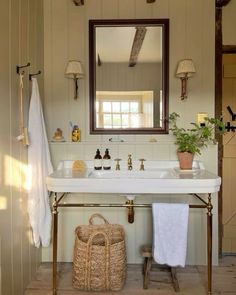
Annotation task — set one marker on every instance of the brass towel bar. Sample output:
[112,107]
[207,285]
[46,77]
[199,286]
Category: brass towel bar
[117,205]
[128,204]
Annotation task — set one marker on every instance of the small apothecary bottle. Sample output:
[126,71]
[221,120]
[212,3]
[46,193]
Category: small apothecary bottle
[98,160]
[75,136]
[106,160]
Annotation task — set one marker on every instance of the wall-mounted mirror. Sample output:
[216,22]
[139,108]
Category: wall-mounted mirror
[128,76]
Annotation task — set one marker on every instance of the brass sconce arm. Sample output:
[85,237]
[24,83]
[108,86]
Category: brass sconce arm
[76,87]
[184,87]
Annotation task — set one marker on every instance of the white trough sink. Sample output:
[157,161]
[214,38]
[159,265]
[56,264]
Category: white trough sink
[158,173]
[158,177]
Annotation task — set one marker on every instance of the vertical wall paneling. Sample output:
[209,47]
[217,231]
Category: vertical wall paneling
[16,221]
[107,12]
[160,9]
[5,216]
[59,54]
[66,37]
[93,11]
[28,251]
[35,50]
[76,50]
[48,65]
[19,35]
[142,10]
[127,9]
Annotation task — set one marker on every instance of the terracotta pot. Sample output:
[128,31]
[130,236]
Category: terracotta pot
[185,160]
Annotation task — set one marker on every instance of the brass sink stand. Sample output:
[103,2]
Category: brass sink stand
[130,206]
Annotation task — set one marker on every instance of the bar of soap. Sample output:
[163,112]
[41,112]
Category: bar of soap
[79,165]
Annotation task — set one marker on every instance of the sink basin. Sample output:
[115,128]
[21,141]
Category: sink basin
[158,177]
[159,173]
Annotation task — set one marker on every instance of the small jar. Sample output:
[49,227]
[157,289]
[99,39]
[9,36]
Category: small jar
[75,136]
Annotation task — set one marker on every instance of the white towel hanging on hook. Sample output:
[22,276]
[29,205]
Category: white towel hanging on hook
[40,165]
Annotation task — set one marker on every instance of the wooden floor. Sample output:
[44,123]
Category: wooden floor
[192,280]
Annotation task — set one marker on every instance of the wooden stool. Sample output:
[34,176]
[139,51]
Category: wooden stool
[146,252]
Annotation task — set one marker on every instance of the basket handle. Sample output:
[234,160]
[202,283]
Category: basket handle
[88,259]
[99,216]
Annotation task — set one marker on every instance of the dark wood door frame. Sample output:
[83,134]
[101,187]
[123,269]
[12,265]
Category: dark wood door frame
[220,49]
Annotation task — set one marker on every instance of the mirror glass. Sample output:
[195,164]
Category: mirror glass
[128,76]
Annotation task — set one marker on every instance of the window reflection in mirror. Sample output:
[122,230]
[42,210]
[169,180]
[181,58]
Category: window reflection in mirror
[128,76]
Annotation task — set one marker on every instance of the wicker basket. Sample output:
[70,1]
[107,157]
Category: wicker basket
[99,256]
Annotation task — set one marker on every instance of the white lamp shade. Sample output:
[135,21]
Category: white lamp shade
[74,69]
[185,68]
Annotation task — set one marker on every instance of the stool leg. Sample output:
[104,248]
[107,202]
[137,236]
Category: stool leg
[146,269]
[144,265]
[174,279]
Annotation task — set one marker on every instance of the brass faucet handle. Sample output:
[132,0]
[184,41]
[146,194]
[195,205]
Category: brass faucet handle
[141,164]
[130,167]
[117,164]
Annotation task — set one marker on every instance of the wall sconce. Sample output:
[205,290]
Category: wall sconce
[74,71]
[185,70]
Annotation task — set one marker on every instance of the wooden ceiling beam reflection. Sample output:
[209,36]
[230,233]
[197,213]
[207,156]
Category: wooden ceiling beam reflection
[137,44]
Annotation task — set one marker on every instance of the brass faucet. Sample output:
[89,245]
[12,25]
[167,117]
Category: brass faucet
[130,167]
[117,164]
[141,164]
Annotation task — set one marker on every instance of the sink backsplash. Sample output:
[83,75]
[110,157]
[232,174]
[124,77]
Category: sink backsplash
[148,151]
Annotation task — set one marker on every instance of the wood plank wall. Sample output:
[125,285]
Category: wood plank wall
[21,41]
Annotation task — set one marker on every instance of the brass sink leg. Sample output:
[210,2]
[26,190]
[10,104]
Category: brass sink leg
[55,231]
[130,208]
[209,244]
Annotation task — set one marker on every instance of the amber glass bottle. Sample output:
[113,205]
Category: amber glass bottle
[106,160]
[98,160]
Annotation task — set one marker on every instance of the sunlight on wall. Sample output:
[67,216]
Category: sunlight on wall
[1,173]
[30,236]
[3,203]
[17,174]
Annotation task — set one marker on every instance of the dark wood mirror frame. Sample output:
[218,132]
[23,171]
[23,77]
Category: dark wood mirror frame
[164,24]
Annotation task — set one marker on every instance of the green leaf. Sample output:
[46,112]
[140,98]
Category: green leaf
[192,140]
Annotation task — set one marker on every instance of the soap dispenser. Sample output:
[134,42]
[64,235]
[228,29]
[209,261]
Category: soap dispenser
[106,160]
[98,160]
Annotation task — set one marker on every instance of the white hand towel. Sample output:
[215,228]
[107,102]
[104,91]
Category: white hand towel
[170,227]
[40,166]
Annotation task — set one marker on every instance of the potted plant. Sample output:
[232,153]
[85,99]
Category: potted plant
[190,141]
